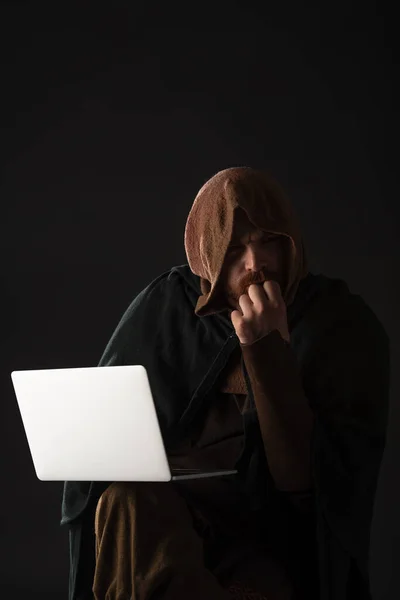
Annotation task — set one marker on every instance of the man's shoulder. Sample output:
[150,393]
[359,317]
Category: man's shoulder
[330,291]
[153,314]
[170,296]
[317,299]
[177,282]
[318,285]
[182,276]
[325,302]
[179,276]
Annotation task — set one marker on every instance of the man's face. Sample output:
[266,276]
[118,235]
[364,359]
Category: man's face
[253,256]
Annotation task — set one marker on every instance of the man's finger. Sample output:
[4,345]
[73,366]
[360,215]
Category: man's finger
[273,290]
[257,295]
[246,305]
[236,318]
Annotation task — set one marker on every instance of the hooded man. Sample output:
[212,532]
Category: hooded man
[255,364]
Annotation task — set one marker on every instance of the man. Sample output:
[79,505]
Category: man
[258,364]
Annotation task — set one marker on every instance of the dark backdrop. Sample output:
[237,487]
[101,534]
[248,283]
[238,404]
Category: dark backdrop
[111,121]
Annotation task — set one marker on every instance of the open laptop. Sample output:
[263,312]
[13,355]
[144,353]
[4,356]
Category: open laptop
[95,424]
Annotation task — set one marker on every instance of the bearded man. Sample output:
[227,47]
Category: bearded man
[259,365]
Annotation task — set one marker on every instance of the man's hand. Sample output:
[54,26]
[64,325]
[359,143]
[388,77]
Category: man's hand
[263,310]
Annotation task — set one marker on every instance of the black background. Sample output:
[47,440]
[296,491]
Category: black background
[111,120]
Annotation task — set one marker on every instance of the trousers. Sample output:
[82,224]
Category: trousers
[151,544]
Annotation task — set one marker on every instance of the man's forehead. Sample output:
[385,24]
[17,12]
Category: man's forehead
[242,224]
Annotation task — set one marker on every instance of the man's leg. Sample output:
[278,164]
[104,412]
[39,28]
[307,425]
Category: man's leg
[147,547]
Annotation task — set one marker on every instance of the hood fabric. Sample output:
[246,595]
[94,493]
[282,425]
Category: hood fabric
[210,223]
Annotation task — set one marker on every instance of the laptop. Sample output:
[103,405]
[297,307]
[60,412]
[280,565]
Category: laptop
[117,436]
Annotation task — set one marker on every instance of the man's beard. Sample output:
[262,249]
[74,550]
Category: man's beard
[241,286]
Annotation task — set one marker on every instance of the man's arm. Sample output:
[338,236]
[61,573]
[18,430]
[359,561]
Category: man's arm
[343,395]
[285,417]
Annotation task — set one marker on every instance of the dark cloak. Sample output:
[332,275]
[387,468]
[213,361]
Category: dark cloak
[343,353]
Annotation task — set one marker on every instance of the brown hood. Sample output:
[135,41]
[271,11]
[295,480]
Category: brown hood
[210,223]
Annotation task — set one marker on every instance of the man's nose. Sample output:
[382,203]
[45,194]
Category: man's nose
[253,261]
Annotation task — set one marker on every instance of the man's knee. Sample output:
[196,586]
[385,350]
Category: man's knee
[123,492]
[150,499]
